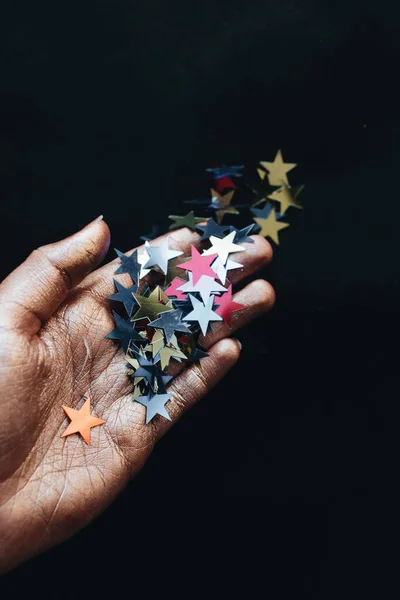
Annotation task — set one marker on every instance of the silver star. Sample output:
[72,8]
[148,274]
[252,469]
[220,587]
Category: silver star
[205,286]
[220,270]
[223,247]
[160,255]
[201,313]
[155,405]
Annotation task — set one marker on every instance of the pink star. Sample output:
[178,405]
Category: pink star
[172,290]
[226,306]
[199,265]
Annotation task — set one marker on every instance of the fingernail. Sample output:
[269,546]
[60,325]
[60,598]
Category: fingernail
[238,343]
[100,218]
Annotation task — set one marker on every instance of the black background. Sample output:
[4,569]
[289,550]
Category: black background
[116,107]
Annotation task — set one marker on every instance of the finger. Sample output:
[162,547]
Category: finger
[253,257]
[193,383]
[258,297]
[31,293]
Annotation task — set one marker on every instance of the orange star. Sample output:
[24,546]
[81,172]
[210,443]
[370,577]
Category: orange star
[81,421]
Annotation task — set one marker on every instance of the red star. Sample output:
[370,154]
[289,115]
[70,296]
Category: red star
[226,306]
[172,290]
[225,183]
[199,265]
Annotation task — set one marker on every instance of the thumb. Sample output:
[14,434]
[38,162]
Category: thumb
[32,293]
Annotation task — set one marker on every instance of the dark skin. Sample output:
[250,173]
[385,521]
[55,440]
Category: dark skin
[53,308]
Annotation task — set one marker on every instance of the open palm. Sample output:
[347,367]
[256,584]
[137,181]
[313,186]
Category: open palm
[54,316]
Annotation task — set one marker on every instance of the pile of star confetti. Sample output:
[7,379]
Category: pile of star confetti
[172,298]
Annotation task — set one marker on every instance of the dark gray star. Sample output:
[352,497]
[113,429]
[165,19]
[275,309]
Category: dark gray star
[129,264]
[263,213]
[211,228]
[149,370]
[124,332]
[156,231]
[225,171]
[155,405]
[242,235]
[124,295]
[170,322]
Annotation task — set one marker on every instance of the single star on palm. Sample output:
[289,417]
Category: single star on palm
[54,319]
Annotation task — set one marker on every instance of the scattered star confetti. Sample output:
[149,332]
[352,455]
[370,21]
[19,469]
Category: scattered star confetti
[149,307]
[170,322]
[129,264]
[188,220]
[277,170]
[223,247]
[160,255]
[202,313]
[226,306]
[125,296]
[81,421]
[155,405]
[175,297]
[199,265]
[269,224]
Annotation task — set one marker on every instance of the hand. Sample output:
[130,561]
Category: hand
[53,319]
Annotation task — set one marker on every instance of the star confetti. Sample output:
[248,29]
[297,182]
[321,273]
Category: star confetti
[188,220]
[129,264]
[155,405]
[81,421]
[205,286]
[175,297]
[125,296]
[160,255]
[226,306]
[199,265]
[202,313]
[269,224]
[170,322]
[277,170]
[223,247]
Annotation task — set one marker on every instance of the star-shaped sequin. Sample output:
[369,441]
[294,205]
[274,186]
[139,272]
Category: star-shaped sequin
[160,255]
[277,170]
[202,313]
[172,290]
[170,322]
[150,307]
[155,405]
[242,235]
[211,228]
[223,247]
[124,295]
[124,332]
[287,197]
[129,264]
[222,205]
[81,421]
[221,270]
[226,171]
[269,224]
[226,306]
[188,220]
[205,287]
[199,265]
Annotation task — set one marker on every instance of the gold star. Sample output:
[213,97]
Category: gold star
[150,307]
[270,226]
[167,353]
[287,197]
[277,170]
[223,205]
